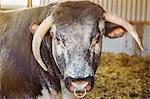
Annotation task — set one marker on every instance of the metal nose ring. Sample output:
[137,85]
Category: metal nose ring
[79,96]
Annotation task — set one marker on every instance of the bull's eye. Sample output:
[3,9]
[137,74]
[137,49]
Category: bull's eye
[60,42]
[58,39]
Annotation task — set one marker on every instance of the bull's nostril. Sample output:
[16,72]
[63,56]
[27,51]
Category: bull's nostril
[80,84]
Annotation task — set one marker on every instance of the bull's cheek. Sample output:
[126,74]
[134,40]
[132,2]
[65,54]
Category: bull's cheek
[59,50]
[61,63]
[96,55]
[57,58]
[61,57]
[96,61]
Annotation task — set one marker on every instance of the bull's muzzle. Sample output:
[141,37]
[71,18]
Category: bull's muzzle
[79,86]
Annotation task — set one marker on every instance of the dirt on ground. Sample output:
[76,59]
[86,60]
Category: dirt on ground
[121,76]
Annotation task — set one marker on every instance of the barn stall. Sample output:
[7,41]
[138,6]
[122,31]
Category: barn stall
[124,71]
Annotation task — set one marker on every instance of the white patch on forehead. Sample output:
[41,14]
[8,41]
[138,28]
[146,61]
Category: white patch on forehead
[77,35]
[84,31]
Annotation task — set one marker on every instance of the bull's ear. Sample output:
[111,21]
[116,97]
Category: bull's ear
[34,26]
[114,30]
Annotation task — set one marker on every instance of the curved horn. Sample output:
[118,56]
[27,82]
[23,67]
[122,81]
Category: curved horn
[37,39]
[118,20]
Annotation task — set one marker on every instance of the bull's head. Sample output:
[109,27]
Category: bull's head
[77,29]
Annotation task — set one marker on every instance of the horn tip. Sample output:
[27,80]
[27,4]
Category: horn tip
[43,66]
[142,49]
[45,69]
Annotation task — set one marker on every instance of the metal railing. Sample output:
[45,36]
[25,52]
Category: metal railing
[135,11]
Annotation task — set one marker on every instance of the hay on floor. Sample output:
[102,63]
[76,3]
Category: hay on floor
[121,76]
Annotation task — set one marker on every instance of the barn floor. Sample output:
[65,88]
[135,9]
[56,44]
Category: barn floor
[121,76]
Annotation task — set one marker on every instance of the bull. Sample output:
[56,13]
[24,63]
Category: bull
[53,52]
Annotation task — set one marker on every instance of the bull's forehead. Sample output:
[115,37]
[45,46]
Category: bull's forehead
[76,22]
[71,12]
[77,35]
